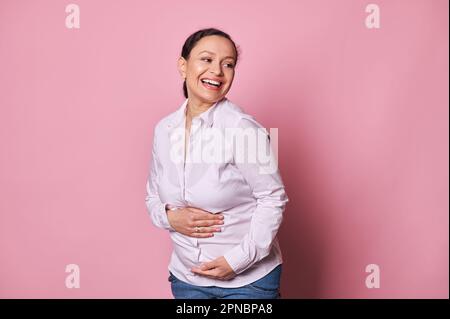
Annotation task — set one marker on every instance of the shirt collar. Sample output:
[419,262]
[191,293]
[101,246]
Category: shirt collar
[207,117]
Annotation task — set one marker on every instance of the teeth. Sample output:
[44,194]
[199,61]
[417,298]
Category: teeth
[211,82]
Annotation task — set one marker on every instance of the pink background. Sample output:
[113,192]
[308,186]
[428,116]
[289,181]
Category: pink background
[363,131]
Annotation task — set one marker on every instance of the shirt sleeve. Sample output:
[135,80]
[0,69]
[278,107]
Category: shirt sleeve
[155,208]
[268,189]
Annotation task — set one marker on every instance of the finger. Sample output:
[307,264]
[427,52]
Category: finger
[203,214]
[207,223]
[198,210]
[209,273]
[206,230]
[208,216]
[208,265]
[227,277]
[202,229]
[201,273]
[201,235]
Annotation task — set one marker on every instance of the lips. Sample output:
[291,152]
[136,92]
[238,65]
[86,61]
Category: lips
[211,84]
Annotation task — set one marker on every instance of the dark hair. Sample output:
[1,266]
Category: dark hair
[192,40]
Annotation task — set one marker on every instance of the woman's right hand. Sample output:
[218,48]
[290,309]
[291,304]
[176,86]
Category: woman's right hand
[195,222]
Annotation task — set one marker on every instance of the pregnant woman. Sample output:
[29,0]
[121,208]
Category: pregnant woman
[223,210]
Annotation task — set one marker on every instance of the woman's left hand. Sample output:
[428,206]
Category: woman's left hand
[215,269]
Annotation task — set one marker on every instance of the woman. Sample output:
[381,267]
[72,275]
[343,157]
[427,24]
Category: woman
[222,215]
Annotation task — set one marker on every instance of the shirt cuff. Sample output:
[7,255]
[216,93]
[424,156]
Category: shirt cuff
[164,219]
[237,259]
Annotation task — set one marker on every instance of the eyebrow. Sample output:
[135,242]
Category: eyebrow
[230,57]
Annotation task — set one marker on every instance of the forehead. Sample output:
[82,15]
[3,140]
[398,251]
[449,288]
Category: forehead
[217,45]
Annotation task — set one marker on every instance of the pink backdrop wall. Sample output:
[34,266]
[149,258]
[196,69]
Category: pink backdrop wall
[363,130]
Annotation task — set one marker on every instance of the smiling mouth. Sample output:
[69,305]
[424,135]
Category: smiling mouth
[211,84]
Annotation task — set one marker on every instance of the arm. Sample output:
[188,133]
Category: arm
[156,209]
[269,192]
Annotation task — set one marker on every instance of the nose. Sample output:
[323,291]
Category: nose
[216,69]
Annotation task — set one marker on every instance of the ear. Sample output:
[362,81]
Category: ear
[182,67]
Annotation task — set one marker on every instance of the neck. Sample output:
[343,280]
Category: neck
[195,108]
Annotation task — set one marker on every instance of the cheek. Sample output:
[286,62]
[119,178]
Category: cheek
[230,77]
[230,73]
[196,70]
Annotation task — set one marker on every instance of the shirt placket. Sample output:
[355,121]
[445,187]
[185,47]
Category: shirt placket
[192,140]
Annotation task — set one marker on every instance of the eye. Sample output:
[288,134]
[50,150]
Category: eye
[230,65]
[206,59]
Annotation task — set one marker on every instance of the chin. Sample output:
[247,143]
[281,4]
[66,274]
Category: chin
[211,99]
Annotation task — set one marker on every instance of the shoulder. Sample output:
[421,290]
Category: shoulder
[166,122]
[232,115]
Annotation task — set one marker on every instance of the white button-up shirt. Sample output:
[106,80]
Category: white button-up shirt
[250,196]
